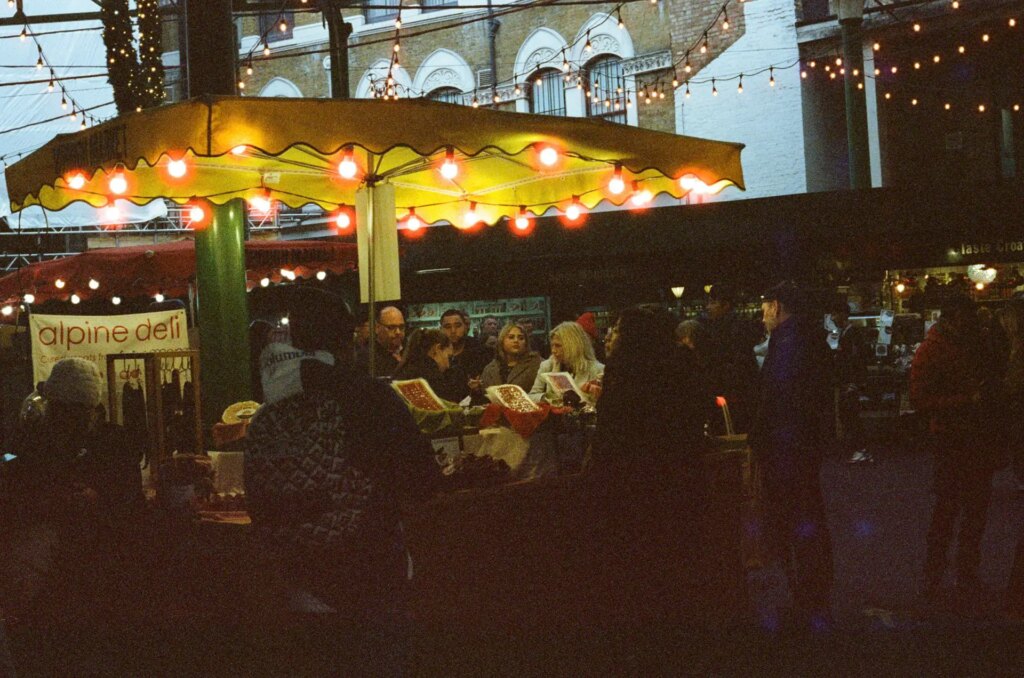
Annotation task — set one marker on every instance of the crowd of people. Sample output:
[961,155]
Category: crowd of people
[329,462]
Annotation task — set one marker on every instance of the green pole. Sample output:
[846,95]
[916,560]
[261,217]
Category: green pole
[856,103]
[223,310]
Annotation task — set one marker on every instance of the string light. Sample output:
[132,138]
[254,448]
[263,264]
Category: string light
[704,45]
[321,275]
[412,222]
[739,87]
[343,220]
[725,19]
[75,299]
[548,156]
[522,221]
[347,168]
[588,47]
[640,196]
[449,168]
[575,209]
[115,300]
[622,24]
[616,185]
[159,297]
[771,76]
[118,184]
[470,217]
[59,284]
[94,284]
[714,89]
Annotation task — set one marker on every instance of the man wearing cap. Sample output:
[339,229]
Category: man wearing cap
[730,355]
[788,438]
[328,458]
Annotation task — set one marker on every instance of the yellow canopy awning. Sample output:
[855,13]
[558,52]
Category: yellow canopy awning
[290,150]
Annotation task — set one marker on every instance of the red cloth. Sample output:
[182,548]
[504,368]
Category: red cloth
[588,321]
[523,423]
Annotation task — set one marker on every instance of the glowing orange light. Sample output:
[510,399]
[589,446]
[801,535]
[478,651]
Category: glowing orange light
[76,181]
[118,185]
[522,221]
[177,168]
[720,401]
[412,222]
[548,156]
[449,168]
[238,150]
[343,220]
[347,168]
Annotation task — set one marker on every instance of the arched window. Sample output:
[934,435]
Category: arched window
[449,95]
[547,92]
[607,89]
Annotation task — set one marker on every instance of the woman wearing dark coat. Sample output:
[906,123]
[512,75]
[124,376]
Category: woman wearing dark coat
[646,471]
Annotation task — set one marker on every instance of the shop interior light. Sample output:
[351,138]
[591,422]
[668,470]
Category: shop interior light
[116,301]
[77,181]
[264,282]
[677,292]
[901,288]
[616,185]
[118,184]
[59,284]
[979,286]
[29,298]
[287,274]
[94,284]
[449,168]
[321,275]
[177,168]
[347,168]
[75,299]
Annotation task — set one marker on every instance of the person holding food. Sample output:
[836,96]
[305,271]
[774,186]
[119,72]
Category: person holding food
[572,353]
[428,356]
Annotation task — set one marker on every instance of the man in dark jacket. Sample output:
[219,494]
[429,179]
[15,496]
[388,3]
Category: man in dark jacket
[730,356]
[789,434]
[328,459]
[946,386]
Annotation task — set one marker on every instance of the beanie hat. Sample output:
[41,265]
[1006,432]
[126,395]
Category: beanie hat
[589,324]
[74,380]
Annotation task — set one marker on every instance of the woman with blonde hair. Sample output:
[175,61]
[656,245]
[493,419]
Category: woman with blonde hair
[572,352]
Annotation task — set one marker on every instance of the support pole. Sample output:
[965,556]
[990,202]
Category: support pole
[338,32]
[223,310]
[851,22]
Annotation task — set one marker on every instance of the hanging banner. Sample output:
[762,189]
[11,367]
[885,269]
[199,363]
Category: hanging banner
[94,337]
[376,231]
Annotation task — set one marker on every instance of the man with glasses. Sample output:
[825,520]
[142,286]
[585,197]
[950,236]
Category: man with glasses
[390,340]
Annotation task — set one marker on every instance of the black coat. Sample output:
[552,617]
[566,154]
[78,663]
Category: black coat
[452,384]
[795,405]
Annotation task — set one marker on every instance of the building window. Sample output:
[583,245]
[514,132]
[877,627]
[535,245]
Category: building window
[547,92]
[607,89]
[381,10]
[449,95]
[270,25]
[428,5]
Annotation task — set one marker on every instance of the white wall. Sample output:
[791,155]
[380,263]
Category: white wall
[768,120]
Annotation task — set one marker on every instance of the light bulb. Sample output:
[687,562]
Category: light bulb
[118,185]
[347,168]
[94,284]
[261,204]
[177,168]
[59,283]
[548,156]
[412,222]
[575,210]
[979,286]
[76,181]
[449,168]
[7,310]
[287,274]
[196,214]
[616,185]
[75,299]
[116,301]
[470,218]
[158,297]
[343,221]
[522,221]
[901,288]
[238,150]
[29,298]
[264,282]
[321,275]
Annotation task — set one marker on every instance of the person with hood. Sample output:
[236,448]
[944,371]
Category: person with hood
[329,458]
[788,439]
[946,386]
